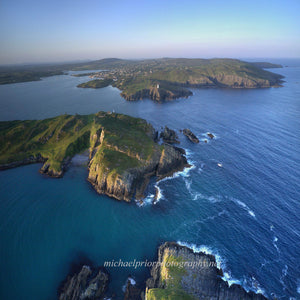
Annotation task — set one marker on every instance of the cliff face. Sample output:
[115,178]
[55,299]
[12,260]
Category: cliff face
[184,274]
[157,94]
[127,176]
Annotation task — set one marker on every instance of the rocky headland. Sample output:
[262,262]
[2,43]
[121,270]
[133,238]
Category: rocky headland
[183,274]
[123,151]
[179,273]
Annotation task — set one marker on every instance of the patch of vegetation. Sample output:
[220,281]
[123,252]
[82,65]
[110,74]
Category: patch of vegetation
[127,142]
[83,74]
[96,84]
[171,274]
[168,294]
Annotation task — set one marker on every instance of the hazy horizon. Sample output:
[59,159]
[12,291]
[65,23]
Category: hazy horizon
[58,32]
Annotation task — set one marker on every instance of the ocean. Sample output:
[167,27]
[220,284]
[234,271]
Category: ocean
[240,200]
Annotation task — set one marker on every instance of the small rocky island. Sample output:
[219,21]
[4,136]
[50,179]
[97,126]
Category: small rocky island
[123,151]
[179,273]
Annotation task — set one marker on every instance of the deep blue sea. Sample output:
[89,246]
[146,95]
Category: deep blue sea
[239,201]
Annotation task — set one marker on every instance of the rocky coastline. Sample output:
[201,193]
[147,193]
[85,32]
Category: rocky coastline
[157,94]
[179,273]
[183,273]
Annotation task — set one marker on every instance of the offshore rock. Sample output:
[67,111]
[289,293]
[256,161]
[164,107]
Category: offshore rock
[210,135]
[192,276]
[190,136]
[169,136]
[132,291]
[89,283]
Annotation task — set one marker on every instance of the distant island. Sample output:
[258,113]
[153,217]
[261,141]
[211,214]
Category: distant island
[123,151]
[157,79]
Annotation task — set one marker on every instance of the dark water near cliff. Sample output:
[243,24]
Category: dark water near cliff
[246,211]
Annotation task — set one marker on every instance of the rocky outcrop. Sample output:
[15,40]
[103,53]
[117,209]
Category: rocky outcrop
[184,274]
[88,283]
[48,170]
[190,136]
[169,136]
[210,135]
[132,291]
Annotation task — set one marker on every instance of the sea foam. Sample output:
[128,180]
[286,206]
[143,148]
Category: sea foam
[221,264]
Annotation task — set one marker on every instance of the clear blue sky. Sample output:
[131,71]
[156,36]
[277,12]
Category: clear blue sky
[65,30]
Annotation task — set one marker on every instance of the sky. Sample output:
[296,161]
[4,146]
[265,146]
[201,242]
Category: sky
[34,31]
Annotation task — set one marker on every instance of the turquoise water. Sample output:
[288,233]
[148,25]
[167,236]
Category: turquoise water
[246,211]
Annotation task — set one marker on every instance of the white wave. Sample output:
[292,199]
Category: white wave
[132,281]
[251,213]
[150,199]
[254,285]
[203,249]
[284,272]
[159,194]
[214,216]
[183,173]
[198,196]
[146,201]
[275,239]
[244,206]
[188,184]
[215,199]
[205,135]
[221,264]
[227,277]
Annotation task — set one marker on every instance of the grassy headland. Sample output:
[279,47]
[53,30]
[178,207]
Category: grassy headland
[166,79]
[123,150]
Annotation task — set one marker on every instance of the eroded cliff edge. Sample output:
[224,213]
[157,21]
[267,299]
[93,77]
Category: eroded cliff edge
[125,155]
[124,152]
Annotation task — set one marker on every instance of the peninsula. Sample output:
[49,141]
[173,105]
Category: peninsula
[168,78]
[123,151]
[157,79]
